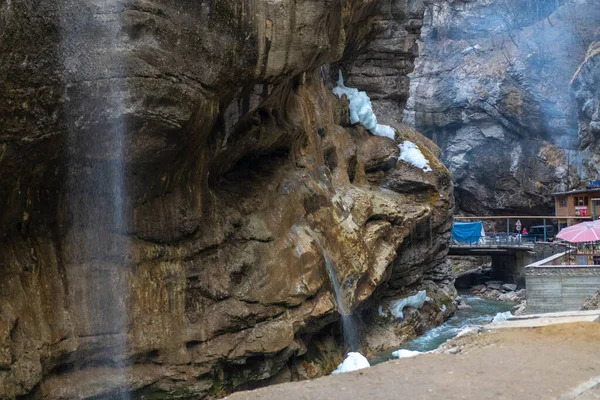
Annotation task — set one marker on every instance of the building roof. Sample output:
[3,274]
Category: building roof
[577,192]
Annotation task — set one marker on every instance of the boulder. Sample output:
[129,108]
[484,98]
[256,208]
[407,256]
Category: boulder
[494,285]
[509,287]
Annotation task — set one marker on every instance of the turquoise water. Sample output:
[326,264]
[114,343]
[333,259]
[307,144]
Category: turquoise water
[481,312]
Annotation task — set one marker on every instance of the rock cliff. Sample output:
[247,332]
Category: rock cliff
[491,88]
[169,172]
[585,89]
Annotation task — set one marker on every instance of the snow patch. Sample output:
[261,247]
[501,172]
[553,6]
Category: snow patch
[353,362]
[411,153]
[361,110]
[415,301]
[502,316]
[385,130]
[403,353]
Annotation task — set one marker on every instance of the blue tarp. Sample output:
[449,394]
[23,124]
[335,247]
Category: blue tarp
[467,232]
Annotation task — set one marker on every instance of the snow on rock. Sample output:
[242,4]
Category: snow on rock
[403,353]
[361,110]
[387,131]
[502,316]
[410,153]
[415,301]
[353,362]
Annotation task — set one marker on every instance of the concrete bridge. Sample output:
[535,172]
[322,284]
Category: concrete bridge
[508,261]
[510,254]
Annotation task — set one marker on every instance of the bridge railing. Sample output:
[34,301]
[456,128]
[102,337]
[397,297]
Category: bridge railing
[499,239]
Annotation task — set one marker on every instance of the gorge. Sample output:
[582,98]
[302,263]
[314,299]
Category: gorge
[181,190]
[492,87]
[164,171]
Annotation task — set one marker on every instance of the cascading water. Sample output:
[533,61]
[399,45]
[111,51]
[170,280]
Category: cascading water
[349,330]
[348,326]
[95,253]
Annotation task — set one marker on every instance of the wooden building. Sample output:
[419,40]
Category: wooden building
[576,206]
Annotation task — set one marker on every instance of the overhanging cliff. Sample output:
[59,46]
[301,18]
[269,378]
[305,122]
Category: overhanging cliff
[213,127]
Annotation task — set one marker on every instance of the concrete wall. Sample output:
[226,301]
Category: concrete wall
[560,288]
[511,269]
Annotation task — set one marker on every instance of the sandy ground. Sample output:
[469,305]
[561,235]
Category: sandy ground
[540,363]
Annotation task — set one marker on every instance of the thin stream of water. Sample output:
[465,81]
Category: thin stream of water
[349,330]
[96,189]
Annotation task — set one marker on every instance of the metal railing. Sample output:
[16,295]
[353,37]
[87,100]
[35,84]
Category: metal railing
[498,240]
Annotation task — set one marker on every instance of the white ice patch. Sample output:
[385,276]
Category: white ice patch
[443,308]
[410,153]
[415,301]
[384,130]
[403,353]
[361,110]
[502,316]
[353,362]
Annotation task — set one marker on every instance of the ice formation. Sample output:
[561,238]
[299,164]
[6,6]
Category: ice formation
[385,130]
[403,353]
[353,362]
[410,153]
[415,301]
[502,316]
[361,110]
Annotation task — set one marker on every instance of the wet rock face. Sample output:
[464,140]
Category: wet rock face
[233,161]
[491,88]
[585,90]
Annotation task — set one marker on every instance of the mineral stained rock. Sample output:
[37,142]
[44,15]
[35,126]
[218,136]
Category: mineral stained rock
[491,88]
[233,156]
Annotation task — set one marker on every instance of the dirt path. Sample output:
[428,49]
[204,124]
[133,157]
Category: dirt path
[542,363]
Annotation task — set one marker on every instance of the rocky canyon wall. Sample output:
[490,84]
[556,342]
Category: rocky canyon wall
[586,90]
[491,88]
[236,161]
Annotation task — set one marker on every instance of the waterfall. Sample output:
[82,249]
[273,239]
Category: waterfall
[95,250]
[349,330]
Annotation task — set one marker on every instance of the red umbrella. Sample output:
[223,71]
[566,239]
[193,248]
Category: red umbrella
[588,231]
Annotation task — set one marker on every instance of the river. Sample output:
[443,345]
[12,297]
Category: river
[481,312]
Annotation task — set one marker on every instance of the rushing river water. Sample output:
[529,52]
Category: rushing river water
[481,312]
